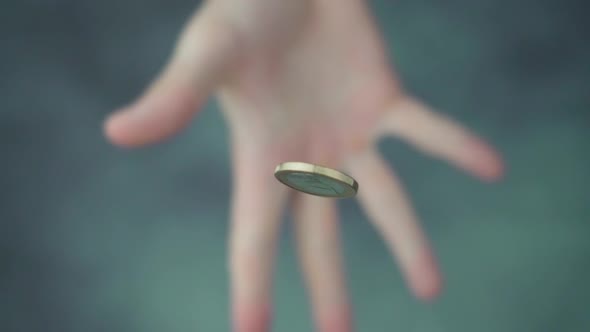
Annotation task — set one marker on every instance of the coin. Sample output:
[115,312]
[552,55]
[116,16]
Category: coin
[316,180]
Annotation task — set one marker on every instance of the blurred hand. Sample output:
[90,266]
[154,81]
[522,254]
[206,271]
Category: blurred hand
[302,81]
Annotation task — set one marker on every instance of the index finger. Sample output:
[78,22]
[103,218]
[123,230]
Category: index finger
[256,210]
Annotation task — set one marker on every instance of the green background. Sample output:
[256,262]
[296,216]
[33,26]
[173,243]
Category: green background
[94,238]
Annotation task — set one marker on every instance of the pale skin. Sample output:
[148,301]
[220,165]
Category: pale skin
[305,80]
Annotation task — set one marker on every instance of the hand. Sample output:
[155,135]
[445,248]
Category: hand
[302,81]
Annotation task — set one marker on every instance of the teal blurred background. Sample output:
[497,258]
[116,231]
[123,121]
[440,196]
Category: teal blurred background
[93,238]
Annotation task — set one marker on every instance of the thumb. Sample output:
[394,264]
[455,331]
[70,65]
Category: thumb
[205,51]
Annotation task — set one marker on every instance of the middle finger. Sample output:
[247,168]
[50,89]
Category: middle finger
[318,244]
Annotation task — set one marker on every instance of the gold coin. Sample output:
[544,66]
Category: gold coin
[316,180]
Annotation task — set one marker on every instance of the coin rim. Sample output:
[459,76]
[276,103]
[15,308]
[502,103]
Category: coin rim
[283,169]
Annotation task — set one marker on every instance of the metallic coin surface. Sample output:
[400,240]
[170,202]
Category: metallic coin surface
[316,180]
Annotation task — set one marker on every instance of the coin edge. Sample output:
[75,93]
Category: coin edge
[298,166]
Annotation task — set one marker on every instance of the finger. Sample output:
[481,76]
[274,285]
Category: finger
[204,52]
[439,136]
[386,204]
[318,244]
[256,210]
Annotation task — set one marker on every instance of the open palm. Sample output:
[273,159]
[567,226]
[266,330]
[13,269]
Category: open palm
[301,81]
